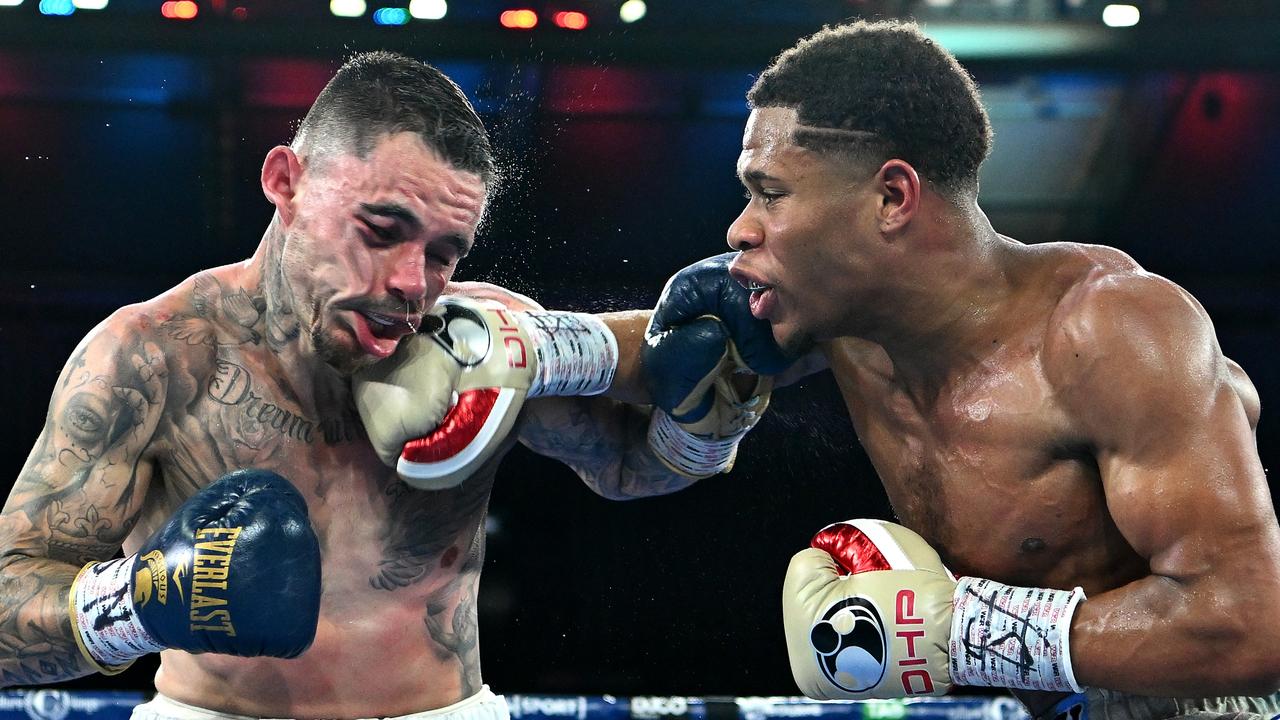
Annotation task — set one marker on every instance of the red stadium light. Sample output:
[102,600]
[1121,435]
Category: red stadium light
[179,9]
[570,20]
[523,19]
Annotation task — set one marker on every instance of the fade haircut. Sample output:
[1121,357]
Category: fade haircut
[381,93]
[872,91]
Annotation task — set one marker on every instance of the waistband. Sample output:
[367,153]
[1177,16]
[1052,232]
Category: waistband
[484,705]
[1099,704]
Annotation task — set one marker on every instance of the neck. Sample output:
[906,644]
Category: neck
[951,310]
[284,336]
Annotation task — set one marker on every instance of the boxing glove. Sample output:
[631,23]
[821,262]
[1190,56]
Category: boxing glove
[443,403]
[870,611]
[701,334]
[236,570]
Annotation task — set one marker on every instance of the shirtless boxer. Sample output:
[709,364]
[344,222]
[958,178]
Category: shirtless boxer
[1046,416]
[249,366]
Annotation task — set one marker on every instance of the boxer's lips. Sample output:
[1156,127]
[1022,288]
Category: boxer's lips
[762,298]
[391,327]
[748,281]
[762,302]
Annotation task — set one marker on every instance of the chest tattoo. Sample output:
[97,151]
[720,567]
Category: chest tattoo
[234,386]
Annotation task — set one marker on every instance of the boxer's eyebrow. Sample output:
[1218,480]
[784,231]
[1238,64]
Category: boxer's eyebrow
[758,176]
[395,211]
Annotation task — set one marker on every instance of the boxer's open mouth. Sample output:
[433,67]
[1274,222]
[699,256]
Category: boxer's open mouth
[754,286]
[388,326]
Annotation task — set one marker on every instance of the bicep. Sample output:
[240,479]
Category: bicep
[1187,489]
[1175,449]
[82,487]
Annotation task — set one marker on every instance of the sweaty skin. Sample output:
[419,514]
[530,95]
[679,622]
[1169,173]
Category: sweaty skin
[1046,416]
[225,371]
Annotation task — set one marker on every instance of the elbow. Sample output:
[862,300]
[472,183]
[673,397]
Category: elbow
[612,493]
[1248,662]
[608,485]
[1263,645]
[1259,658]
[636,488]
[1255,674]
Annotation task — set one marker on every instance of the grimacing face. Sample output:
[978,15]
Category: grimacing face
[805,235]
[372,245]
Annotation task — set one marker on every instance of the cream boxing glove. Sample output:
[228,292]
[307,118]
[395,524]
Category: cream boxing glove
[871,612]
[441,406]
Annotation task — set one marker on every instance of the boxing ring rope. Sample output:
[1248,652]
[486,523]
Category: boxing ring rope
[46,704]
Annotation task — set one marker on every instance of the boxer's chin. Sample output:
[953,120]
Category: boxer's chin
[798,346]
[793,340]
[342,354]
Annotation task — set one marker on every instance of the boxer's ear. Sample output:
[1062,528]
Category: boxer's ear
[899,187]
[281,173]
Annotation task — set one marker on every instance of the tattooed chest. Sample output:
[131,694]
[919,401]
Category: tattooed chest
[391,535]
[240,417]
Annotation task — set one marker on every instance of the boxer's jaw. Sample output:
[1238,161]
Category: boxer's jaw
[373,244]
[807,233]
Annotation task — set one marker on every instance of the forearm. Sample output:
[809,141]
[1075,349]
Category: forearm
[640,473]
[629,381]
[37,640]
[605,443]
[1161,636]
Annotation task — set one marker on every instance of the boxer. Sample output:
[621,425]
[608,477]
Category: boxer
[251,365]
[1074,461]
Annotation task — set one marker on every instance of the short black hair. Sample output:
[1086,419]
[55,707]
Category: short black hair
[896,92]
[382,93]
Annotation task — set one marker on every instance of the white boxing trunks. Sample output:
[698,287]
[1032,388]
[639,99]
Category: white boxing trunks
[484,705]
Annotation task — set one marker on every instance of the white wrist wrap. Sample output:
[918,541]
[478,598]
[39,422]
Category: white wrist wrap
[1012,637]
[692,455]
[577,353]
[107,626]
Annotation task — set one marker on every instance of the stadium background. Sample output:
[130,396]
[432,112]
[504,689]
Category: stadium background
[130,145]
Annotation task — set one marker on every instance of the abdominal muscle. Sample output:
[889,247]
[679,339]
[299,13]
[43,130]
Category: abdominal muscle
[373,658]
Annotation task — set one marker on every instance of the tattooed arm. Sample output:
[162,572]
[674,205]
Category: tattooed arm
[79,494]
[604,441]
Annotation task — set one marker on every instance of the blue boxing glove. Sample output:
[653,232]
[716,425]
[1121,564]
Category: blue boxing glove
[236,570]
[701,334]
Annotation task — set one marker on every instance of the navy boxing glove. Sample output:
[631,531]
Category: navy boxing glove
[236,570]
[701,333]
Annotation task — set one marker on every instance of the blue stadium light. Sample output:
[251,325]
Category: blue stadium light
[56,7]
[390,16]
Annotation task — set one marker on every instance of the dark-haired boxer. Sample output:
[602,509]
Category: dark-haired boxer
[1059,425]
[250,366]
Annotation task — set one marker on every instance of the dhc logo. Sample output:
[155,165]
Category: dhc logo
[463,333]
[850,644]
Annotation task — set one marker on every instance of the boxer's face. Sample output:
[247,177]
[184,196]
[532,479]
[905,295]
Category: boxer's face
[804,233]
[373,243]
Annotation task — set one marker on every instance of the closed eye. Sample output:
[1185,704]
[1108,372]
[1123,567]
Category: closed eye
[439,258]
[385,235]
